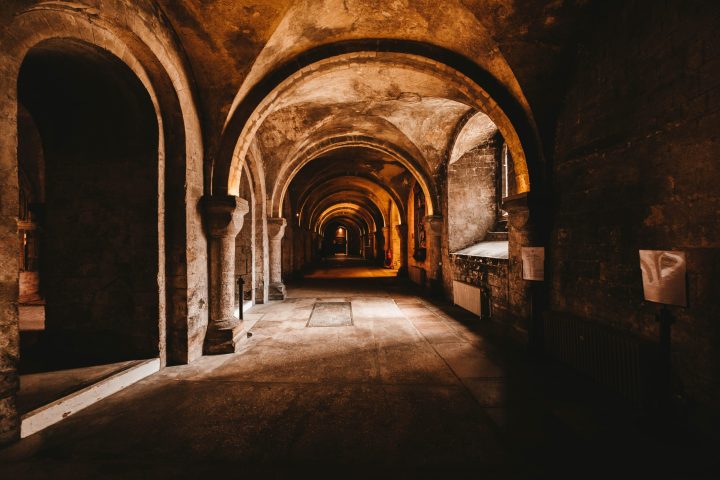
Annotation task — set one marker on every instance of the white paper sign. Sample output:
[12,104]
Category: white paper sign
[663,275]
[533,259]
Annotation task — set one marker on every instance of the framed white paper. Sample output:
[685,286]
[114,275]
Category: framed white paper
[533,259]
[663,275]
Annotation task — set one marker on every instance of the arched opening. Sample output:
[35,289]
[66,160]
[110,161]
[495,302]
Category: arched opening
[334,100]
[477,269]
[339,239]
[352,187]
[472,183]
[89,147]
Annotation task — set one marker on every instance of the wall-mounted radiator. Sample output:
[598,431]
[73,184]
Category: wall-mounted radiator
[619,360]
[467,297]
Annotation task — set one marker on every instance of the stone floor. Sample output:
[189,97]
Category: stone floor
[347,266]
[413,388]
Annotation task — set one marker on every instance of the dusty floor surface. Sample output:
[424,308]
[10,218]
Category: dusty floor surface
[411,389]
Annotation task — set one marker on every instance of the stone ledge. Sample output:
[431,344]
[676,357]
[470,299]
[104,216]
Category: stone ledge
[491,249]
[48,415]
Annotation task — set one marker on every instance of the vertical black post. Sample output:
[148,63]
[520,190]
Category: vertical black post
[485,296]
[537,327]
[241,296]
[665,319]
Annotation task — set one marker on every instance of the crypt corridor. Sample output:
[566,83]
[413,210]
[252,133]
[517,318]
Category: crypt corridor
[276,237]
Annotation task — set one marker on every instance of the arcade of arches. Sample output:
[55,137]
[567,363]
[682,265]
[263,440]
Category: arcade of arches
[196,183]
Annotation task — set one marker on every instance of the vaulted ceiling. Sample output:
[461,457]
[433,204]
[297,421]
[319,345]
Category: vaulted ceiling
[233,44]
[402,119]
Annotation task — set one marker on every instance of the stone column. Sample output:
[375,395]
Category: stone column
[379,247]
[223,220]
[276,230]
[387,235]
[433,259]
[402,232]
[525,297]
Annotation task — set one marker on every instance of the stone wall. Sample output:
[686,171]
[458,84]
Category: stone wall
[490,275]
[472,199]
[636,167]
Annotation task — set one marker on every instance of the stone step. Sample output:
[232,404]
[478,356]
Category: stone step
[47,415]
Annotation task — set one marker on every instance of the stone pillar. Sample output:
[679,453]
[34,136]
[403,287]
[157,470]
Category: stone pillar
[433,239]
[276,230]
[524,298]
[387,235]
[223,219]
[379,247]
[402,232]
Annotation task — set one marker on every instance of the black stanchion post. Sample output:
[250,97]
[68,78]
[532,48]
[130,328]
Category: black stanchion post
[537,327]
[241,296]
[665,319]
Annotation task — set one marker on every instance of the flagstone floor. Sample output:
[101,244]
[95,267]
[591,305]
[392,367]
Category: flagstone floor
[413,388]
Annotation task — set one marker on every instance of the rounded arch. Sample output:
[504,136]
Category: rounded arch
[345,216]
[354,231]
[483,91]
[366,209]
[348,216]
[253,168]
[473,129]
[160,72]
[291,168]
[351,184]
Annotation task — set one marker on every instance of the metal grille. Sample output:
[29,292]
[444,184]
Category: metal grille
[619,360]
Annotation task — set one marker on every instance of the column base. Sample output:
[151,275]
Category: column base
[402,272]
[225,336]
[277,291]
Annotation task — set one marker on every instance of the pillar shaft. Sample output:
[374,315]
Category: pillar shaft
[276,230]
[433,231]
[224,219]
[402,232]
[526,298]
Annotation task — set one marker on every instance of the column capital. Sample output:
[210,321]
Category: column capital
[402,228]
[276,227]
[434,223]
[224,214]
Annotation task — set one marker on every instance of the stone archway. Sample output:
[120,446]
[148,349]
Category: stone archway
[479,89]
[147,56]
